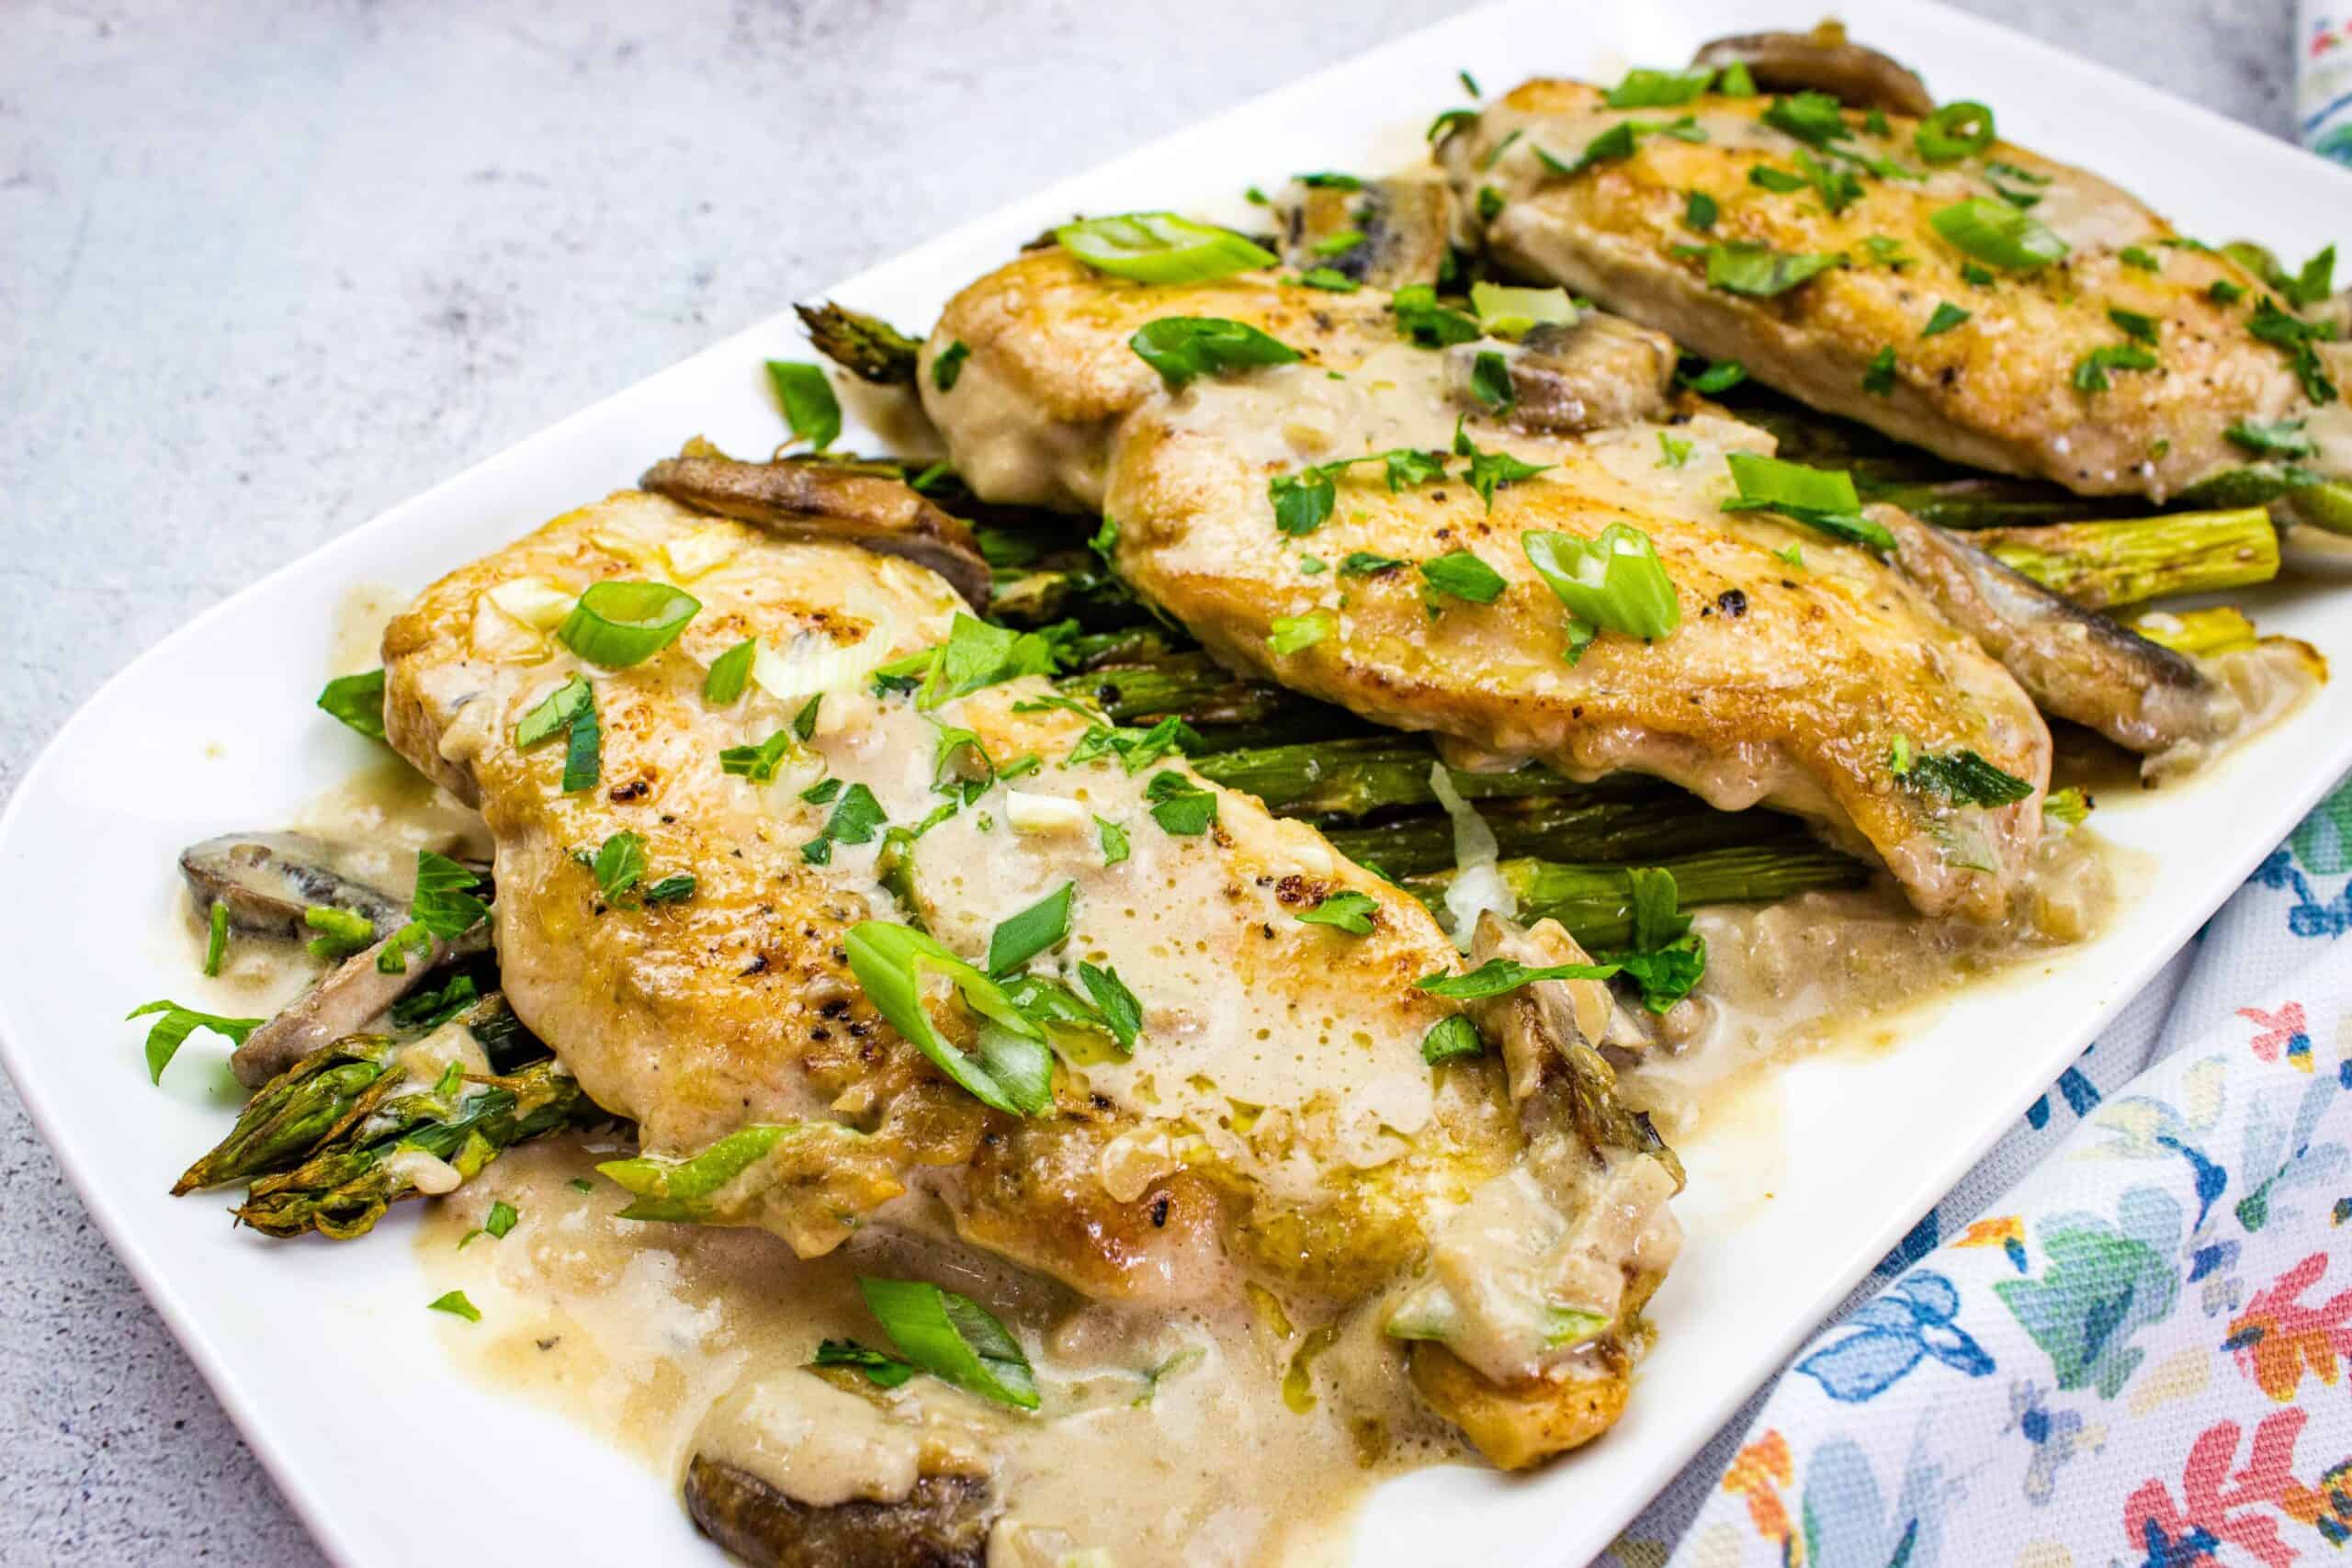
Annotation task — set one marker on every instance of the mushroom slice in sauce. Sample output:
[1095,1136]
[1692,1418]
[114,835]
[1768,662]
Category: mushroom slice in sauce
[270,880]
[941,1523]
[1593,373]
[1386,233]
[803,499]
[1825,62]
[346,1000]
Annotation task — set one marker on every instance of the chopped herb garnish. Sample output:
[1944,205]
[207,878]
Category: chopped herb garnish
[1947,316]
[1114,841]
[1490,383]
[1613,145]
[1736,82]
[1647,89]
[1338,243]
[1183,347]
[949,364]
[1772,179]
[1742,267]
[1329,278]
[501,1219]
[1425,323]
[1291,634]
[1814,119]
[2296,336]
[456,1304]
[1999,235]
[1962,777]
[1365,563]
[2223,292]
[1469,82]
[1878,377]
[1674,451]
[1348,910]
[821,793]
[758,763]
[445,904]
[1497,976]
[1954,131]
[1494,154]
[2281,438]
[1178,805]
[1612,581]
[728,675]
[1452,1039]
[1699,211]
[1116,1005]
[1887,252]
[670,889]
[1719,376]
[171,1031]
[2090,371]
[1490,204]
[2137,327]
[357,701]
[883,1371]
[1970,272]
[1491,470]
[856,816]
[341,932]
[557,711]
[2135,256]
[807,398]
[1448,121]
[1302,501]
[1460,574]
[618,623]
[1159,247]
[890,961]
[620,865]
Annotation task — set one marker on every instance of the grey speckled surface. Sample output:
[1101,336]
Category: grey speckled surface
[267,269]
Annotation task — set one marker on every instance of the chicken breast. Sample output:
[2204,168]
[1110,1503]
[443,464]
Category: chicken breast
[1698,219]
[1803,669]
[1264,1116]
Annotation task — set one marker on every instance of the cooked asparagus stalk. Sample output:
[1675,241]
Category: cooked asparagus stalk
[1351,778]
[866,347]
[1596,902]
[1625,830]
[2100,565]
[2201,632]
[1230,711]
[295,1113]
[392,1145]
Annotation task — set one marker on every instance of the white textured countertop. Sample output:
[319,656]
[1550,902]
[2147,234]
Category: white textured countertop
[265,271]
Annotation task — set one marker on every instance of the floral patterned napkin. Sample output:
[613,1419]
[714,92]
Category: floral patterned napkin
[2120,1342]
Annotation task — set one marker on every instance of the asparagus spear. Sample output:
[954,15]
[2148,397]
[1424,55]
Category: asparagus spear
[1353,777]
[1596,902]
[295,1113]
[1627,830]
[1229,711]
[2098,565]
[358,1171]
[868,346]
[2201,632]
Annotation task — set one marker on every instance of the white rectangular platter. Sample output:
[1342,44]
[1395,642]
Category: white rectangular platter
[323,1353]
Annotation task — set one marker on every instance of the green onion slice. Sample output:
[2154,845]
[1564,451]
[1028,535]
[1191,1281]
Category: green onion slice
[1614,579]
[890,962]
[620,624]
[1955,131]
[1031,932]
[953,1338]
[1514,312]
[1159,247]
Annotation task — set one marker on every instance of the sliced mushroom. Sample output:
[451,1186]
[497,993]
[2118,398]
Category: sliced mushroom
[1385,234]
[941,1523]
[345,1001]
[269,880]
[1595,372]
[1825,62]
[820,499]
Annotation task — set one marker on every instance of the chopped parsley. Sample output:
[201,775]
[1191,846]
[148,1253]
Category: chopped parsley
[1349,911]
[1460,574]
[1178,805]
[949,364]
[1947,316]
[1878,377]
[856,817]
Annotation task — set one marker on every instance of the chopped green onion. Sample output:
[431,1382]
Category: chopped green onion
[1490,204]
[889,961]
[357,701]
[619,624]
[1292,634]
[1348,910]
[1183,347]
[1736,82]
[1514,312]
[2137,327]
[1816,119]
[1699,211]
[1675,451]
[2281,330]
[1448,121]
[1331,279]
[728,673]
[1878,377]
[1956,130]
[216,944]
[584,757]
[1999,235]
[1452,1039]
[1613,580]
[1339,243]
[809,406]
[953,1338]
[1497,976]
[1719,376]
[804,723]
[1121,1013]
[1947,316]
[341,932]
[171,1031]
[1159,247]
[1823,499]
[1765,177]
[1178,805]
[949,364]
[2140,258]
[501,1219]
[1460,574]
[1469,82]
[1742,267]
[1033,931]
[455,1303]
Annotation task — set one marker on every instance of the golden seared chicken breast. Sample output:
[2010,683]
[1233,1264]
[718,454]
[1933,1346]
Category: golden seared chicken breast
[1903,267]
[1423,531]
[811,875]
